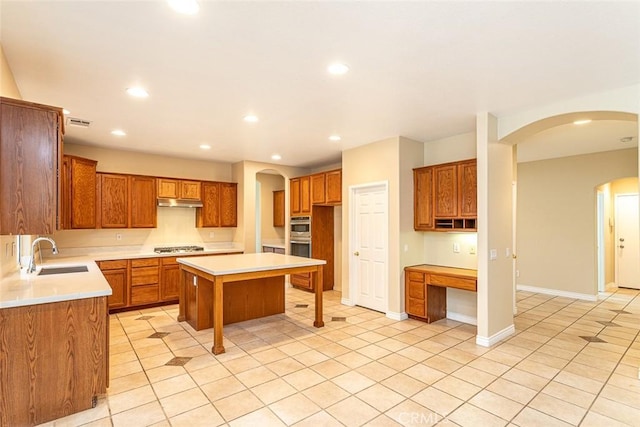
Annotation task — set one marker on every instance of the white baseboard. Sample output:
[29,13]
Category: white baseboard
[495,338]
[397,316]
[557,293]
[464,318]
[347,301]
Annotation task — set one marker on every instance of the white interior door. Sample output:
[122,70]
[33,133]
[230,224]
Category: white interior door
[627,237]
[369,270]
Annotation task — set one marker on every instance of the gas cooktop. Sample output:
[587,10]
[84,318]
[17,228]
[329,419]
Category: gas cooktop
[177,249]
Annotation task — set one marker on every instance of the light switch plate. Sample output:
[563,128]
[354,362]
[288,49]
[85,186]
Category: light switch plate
[493,254]
[456,248]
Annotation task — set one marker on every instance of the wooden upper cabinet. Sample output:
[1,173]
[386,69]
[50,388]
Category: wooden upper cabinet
[423,199]
[142,197]
[300,196]
[468,189]
[318,189]
[79,202]
[219,205]
[30,158]
[178,189]
[334,187]
[445,185]
[278,208]
[113,200]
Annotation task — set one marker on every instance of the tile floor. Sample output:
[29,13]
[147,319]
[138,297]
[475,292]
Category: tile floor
[570,362]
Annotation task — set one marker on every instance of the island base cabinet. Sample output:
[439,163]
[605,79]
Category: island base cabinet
[53,359]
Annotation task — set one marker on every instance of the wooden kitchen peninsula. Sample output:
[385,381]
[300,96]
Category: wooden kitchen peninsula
[425,289]
[252,283]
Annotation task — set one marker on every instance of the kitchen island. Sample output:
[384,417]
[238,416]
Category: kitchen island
[244,273]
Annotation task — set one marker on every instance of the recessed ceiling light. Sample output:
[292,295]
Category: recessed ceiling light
[582,122]
[205,146]
[335,138]
[338,69]
[250,118]
[276,157]
[187,7]
[65,111]
[137,92]
[118,132]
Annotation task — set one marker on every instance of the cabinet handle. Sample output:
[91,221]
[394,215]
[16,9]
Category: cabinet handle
[356,253]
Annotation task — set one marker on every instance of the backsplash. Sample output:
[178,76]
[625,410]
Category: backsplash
[176,226]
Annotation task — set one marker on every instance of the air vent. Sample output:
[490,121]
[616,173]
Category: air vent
[73,121]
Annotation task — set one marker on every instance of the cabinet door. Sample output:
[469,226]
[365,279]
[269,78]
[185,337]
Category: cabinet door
[415,294]
[30,156]
[143,202]
[318,189]
[190,190]
[170,282]
[468,181]
[228,204]
[423,199]
[118,281]
[334,187]
[209,214]
[168,188]
[114,206]
[445,191]
[278,208]
[79,204]
[294,190]
[305,195]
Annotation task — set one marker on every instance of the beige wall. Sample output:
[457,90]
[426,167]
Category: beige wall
[9,89]
[268,184]
[556,229]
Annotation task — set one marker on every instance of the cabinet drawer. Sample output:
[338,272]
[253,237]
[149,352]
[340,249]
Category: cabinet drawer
[170,260]
[416,290]
[145,262]
[416,307]
[415,276]
[302,279]
[145,294]
[144,276]
[112,265]
[453,282]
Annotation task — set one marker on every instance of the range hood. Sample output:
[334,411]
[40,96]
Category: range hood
[180,203]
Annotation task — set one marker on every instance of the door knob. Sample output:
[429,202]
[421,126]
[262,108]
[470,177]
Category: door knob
[356,253]
[622,239]
[621,246]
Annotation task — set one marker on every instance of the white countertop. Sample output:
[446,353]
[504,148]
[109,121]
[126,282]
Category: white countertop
[18,289]
[245,263]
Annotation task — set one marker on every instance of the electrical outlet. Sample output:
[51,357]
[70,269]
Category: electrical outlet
[118,236]
[493,254]
[406,247]
[517,273]
[507,253]
[472,250]
[456,248]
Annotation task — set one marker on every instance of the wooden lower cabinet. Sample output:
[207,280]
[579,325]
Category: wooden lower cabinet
[54,360]
[169,279]
[117,274]
[145,281]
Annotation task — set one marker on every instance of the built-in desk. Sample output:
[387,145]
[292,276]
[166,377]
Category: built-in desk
[425,289]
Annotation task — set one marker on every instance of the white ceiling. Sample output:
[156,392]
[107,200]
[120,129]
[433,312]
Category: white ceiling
[417,69]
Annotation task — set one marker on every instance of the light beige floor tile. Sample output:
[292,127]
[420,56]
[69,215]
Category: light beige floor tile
[457,387]
[404,384]
[496,404]
[529,417]
[396,361]
[410,413]
[474,376]
[353,359]
[222,388]
[125,369]
[330,368]
[353,381]
[130,399]
[203,416]
[593,419]
[617,411]
[262,417]
[173,385]
[321,418]
[273,391]
[285,366]
[303,379]
[513,391]
[424,373]
[256,376]
[183,402]
[103,422]
[237,405]
[380,397]
[526,379]
[352,412]
[458,355]
[201,362]
[437,401]
[502,357]
[163,372]
[468,415]
[267,356]
[97,414]
[294,408]
[210,374]
[569,394]
[241,364]
[579,382]
[443,364]
[376,371]
[564,411]
[489,366]
[620,395]
[126,383]
[144,415]
[373,351]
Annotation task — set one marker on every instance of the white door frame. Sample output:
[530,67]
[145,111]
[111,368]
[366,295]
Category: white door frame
[600,240]
[353,285]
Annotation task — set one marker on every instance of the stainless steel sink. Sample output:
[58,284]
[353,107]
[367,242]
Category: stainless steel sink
[63,270]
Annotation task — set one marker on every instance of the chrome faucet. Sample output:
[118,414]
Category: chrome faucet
[32,261]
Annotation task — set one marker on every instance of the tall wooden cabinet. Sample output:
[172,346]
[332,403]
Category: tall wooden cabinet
[30,159]
[445,197]
[79,202]
[300,197]
[278,208]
